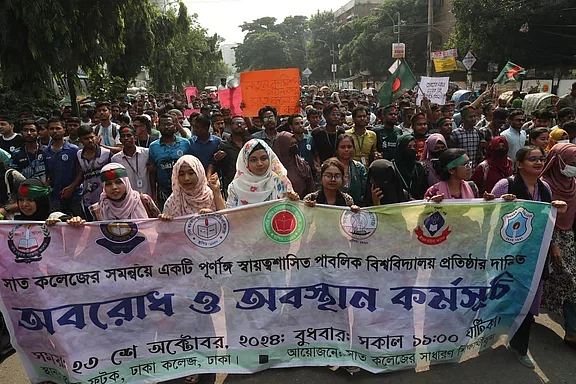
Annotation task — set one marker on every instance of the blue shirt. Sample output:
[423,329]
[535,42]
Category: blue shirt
[164,156]
[62,168]
[205,151]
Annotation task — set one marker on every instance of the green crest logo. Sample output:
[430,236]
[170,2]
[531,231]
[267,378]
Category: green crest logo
[284,223]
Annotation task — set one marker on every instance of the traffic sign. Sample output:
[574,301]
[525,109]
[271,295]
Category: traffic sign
[469,60]
[307,72]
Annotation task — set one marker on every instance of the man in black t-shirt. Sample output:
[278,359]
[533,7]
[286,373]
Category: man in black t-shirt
[326,137]
[9,141]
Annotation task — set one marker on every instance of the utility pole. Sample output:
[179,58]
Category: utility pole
[429,44]
[398,14]
[333,53]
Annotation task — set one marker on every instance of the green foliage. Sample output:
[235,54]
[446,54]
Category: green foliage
[13,103]
[368,40]
[269,45]
[494,25]
[104,86]
[322,26]
[183,52]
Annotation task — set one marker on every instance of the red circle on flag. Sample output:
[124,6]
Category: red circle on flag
[110,175]
[284,223]
[396,85]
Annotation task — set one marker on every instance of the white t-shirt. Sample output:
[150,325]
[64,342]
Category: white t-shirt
[136,169]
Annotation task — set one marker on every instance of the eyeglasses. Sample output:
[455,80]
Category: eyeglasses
[239,124]
[268,118]
[534,159]
[329,176]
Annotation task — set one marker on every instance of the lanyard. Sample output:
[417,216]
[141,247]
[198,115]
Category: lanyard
[34,157]
[360,143]
[130,165]
[90,165]
[330,141]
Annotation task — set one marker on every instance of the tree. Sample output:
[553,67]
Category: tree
[268,45]
[323,26]
[491,29]
[45,36]
[369,39]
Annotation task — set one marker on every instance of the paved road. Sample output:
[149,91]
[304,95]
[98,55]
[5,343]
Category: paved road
[556,364]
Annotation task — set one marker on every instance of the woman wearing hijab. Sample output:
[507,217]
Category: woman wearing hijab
[410,172]
[435,144]
[383,186]
[495,167]
[260,177]
[526,185]
[118,200]
[560,287]
[299,172]
[454,168]
[192,193]
[557,136]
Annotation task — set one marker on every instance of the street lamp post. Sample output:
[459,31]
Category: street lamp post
[333,54]
[395,24]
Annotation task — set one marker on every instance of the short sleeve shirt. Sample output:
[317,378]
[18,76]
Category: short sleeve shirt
[91,170]
[164,156]
[365,145]
[61,167]
[29,164]
[205,151]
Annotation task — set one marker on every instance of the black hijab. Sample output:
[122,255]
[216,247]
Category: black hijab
[381,174]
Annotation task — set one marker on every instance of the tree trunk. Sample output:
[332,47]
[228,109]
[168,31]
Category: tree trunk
[71,81]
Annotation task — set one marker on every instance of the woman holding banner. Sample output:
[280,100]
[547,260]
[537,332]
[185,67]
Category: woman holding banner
[560,287]
[526,185]
[454,168]
[331,178]
[192,193]
[260,177]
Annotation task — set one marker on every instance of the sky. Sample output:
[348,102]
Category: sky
[224,16]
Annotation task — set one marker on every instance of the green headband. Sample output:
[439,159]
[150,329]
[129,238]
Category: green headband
[33,191]
[441,121]
[112,174]
[462,160]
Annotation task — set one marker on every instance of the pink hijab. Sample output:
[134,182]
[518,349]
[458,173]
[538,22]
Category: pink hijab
[563,188]
[130,207]
[426,157]
[182,202]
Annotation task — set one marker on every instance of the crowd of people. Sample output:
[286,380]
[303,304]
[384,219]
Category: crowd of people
[147,158]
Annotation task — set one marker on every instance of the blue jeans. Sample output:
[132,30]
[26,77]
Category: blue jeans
[570,318]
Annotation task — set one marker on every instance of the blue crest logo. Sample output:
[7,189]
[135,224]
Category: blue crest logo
[434,223]
[120,237]
[516,226]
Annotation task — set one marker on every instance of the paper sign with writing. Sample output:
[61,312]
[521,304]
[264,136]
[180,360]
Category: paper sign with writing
[270,285]
[191,91]
[279,88]
[231,98]
[434,88]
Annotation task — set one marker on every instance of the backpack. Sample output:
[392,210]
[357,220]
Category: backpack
[114,130]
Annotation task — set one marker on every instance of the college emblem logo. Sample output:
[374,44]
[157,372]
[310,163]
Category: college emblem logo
[28,241]
[360,225]
[65,157]
[179,152]
[433,224]
[207,231]
[120,237]
[284,223]
[516,226]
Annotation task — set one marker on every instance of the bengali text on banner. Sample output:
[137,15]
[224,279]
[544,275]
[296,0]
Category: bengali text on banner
[270,285]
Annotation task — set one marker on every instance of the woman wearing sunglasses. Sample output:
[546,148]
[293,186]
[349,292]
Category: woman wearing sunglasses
[454,168]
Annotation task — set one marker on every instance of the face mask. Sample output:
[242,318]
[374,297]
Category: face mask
[294,150]
[436,154]
[569,170]
[563,142]
[500,152]
[410,154]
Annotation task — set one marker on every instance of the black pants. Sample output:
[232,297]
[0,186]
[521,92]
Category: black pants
[6,349]
[522,337]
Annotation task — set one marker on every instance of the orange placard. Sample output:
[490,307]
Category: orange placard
[279,88]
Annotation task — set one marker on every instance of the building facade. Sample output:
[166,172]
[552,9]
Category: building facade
[354,9]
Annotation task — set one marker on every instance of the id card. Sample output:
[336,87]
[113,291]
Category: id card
[139,183]
[363,160]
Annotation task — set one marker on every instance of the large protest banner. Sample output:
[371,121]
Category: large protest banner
[277,87]
[271,285]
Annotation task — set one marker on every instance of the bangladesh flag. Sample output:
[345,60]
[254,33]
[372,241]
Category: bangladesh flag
[402,80]
[511,72]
